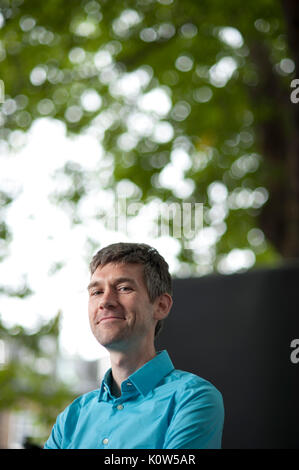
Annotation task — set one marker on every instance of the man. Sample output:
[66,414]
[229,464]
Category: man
[143,401]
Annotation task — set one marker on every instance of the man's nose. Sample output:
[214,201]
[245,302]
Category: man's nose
[108,299]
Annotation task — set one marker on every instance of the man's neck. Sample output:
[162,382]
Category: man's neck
[123,364]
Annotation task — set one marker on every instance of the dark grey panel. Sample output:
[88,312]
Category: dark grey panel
[236,332]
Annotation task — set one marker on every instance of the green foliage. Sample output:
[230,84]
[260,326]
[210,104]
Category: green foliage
[25,379]
[52,53]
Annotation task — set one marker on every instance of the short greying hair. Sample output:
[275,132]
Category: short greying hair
[156,274]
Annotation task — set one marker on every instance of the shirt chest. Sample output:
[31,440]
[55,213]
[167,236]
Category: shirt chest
[126,424]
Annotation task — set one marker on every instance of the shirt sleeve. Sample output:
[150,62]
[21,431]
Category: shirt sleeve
[55,439]
[65,425]
[198,420]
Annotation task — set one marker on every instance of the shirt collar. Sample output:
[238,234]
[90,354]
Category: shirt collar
[151,373]
[145,378]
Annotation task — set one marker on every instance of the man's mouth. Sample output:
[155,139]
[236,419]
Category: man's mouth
[110,318]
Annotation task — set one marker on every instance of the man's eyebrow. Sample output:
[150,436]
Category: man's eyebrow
[116,281]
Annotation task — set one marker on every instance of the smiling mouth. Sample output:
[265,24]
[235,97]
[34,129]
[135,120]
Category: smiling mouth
[110,319]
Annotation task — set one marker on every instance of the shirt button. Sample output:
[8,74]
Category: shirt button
[105,441]
[119,407]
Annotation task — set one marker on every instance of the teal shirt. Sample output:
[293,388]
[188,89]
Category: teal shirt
[160,407]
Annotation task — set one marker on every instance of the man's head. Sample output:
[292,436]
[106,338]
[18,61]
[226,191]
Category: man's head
[155,271]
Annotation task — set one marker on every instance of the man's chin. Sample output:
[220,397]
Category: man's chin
[111,342]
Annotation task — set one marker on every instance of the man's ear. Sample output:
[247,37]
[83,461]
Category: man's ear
[163,304]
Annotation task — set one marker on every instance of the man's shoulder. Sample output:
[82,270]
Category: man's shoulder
[197,395]
[192,383]
[83,400]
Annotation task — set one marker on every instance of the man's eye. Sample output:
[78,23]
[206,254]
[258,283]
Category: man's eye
[96,292]
[125,288]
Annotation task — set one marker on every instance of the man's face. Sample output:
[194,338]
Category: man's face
[120,312]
